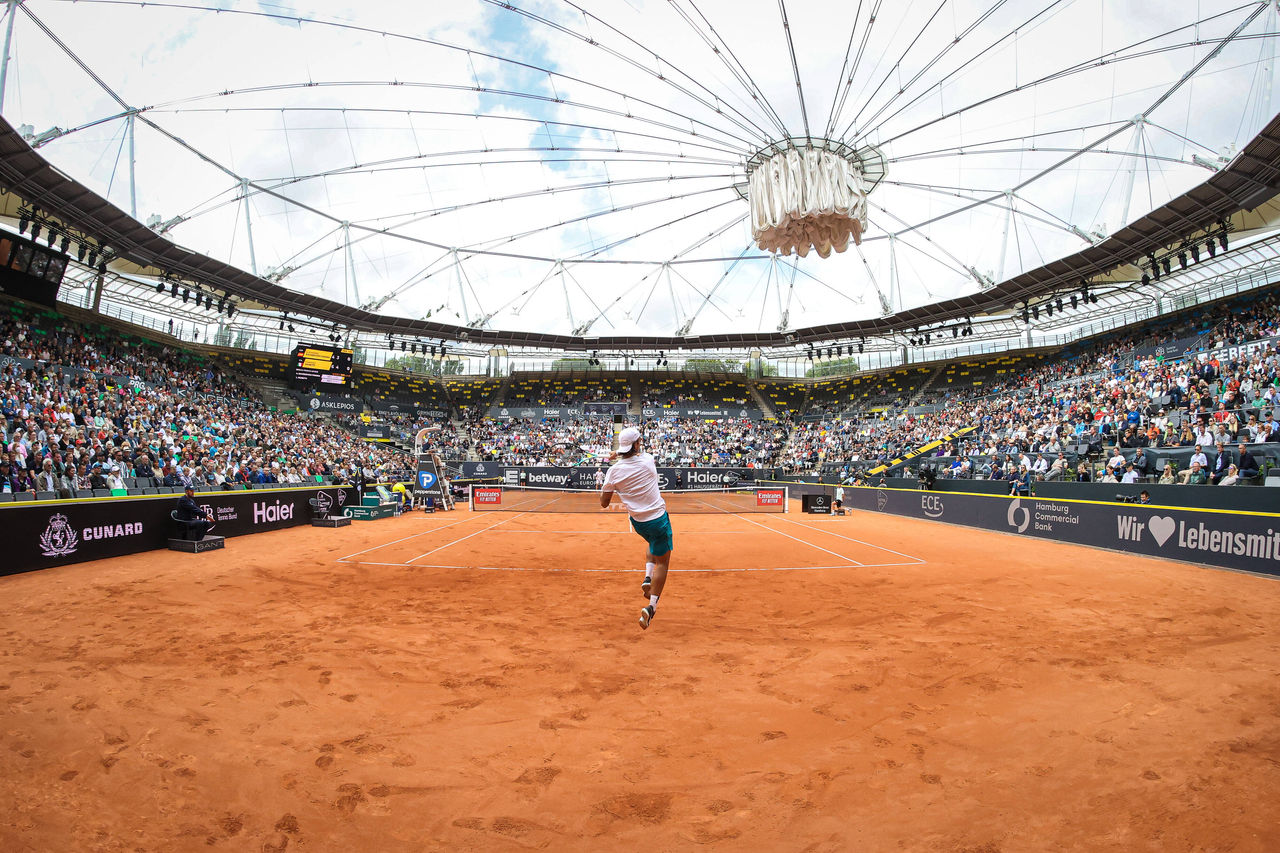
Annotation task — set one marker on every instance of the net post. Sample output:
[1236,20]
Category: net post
[786,500]
[471,497]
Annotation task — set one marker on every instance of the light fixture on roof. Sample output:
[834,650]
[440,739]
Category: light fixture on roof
[35,231]
[23,221]
[159,287]
[66,244]
[1182,258]
[1195,254]
[1166,265]
[46,137]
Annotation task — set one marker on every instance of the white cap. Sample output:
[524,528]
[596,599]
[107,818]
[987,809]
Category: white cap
[627,439]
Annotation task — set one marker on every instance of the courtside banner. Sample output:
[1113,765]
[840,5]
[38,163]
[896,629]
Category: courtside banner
[1232,540]
[427,483]
[649,413]
[771,497]
[486,495]
[43,534]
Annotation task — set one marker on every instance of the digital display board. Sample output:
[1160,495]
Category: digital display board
[321,366]
[30,271]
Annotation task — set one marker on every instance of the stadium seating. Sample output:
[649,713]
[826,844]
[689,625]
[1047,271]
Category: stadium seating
[557,389]
[717,392]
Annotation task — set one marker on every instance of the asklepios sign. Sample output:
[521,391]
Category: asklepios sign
[334,403]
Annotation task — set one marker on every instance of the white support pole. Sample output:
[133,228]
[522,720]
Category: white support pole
[895,286]
[8,41]
[133,170]
[349,268]
[1138,123]
[1004,238]
[462,289]
[248,224]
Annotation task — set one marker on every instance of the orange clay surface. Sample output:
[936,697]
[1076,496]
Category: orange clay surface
[903,686]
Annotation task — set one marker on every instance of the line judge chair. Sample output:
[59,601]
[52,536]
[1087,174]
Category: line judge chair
[321,512]
[187,529]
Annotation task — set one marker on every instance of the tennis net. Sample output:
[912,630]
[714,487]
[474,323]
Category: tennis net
[742,499]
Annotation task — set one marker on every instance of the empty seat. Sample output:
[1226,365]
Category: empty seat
[6,497]
[102,493]
[46,496]
[24,496]
[84,493]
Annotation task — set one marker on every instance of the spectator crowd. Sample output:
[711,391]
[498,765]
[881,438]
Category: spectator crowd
[85,408]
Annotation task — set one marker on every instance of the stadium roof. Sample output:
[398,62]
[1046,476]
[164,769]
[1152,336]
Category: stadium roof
[1013,165]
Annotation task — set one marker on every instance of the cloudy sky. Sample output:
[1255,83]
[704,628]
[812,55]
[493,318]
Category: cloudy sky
[572,165]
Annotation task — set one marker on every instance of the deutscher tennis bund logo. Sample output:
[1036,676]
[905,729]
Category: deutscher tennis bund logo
[58,539]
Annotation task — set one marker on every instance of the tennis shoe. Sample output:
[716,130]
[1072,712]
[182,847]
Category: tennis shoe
[644,587]
[646,616]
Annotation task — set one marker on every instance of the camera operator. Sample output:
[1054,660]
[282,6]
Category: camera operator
[927,477]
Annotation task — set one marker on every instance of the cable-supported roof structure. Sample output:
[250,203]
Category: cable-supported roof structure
[574,175]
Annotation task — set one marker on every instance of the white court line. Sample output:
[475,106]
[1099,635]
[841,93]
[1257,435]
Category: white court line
[623,532]
[468,536]
[632,571]
[405,539]
[859,541]
[801,541]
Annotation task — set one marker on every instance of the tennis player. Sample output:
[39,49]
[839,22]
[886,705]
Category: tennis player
[634,478]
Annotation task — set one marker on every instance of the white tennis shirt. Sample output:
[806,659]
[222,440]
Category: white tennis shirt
[635,480]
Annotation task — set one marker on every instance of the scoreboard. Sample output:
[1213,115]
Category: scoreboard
[320,366]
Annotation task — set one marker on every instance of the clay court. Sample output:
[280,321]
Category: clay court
[477,681]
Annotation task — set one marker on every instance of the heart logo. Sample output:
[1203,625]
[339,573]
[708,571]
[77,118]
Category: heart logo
[1161,528]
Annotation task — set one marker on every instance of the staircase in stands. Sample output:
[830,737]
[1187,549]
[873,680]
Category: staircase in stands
[914,400]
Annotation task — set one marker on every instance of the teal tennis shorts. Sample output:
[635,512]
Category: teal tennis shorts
[656,532]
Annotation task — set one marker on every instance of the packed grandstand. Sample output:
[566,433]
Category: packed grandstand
[90,407]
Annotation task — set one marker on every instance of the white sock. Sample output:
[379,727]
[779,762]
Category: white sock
[653,602]
[648,570]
